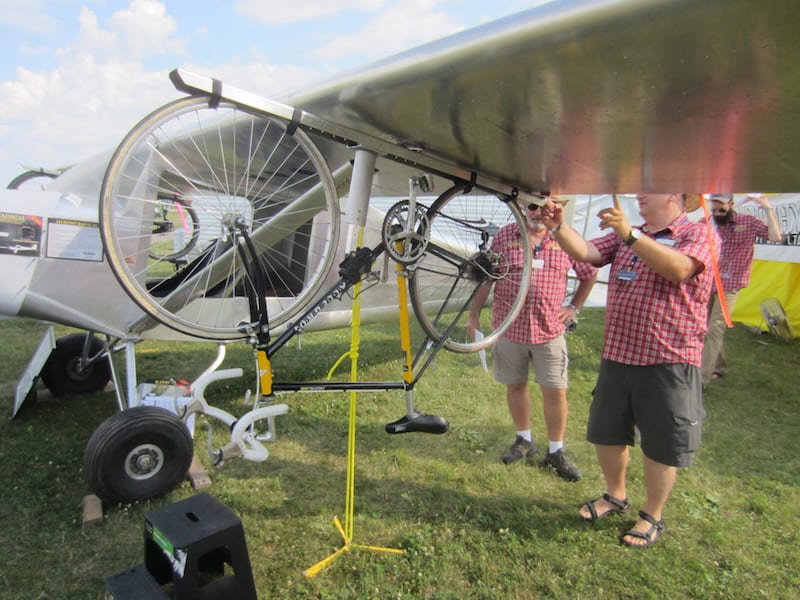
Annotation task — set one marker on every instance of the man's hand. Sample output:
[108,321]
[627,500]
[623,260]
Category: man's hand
[567,313]
[762,201]
[614,218]
[551,214]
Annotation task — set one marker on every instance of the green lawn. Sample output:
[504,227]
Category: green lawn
[470,526]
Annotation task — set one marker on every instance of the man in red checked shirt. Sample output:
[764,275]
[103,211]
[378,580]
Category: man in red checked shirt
[658,290]
[535,337]
[738,233]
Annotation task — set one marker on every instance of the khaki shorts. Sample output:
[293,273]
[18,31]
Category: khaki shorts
[512,362]
[665,402]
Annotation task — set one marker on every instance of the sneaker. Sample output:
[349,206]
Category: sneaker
[562,465]
[521,448]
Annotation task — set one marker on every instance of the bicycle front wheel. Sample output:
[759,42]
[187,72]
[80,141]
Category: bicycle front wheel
[459,261]
[230,166]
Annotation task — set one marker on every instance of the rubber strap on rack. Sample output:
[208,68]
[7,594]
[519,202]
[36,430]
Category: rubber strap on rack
[295,121]
[216,93]
[473,177]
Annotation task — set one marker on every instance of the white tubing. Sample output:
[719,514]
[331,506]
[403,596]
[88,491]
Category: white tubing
[242,436]
[200,384]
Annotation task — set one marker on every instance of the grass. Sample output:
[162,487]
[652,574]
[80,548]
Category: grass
[470,526]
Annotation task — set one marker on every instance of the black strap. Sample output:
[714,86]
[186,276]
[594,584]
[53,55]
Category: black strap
[216,93]
[294,122]
[621,504]
[659,525]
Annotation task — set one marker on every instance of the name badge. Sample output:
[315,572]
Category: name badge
[626,275]
[537,263]
[666,241]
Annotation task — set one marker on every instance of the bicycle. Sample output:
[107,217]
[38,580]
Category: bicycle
[276,206]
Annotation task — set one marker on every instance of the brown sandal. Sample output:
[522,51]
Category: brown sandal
[620,507]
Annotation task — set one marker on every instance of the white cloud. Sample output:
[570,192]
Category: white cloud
[97,91]
[143,29]
[403,25]
[30,15]
[67,114]
[101,87]
[147,28]
[276,12]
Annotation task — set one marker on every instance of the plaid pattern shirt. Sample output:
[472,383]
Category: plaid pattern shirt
[650,320]
[538,320]
[736,256]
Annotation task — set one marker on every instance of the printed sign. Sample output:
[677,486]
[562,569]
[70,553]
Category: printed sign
[74,240]
[20,234]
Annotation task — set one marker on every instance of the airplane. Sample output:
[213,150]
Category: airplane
[569,97]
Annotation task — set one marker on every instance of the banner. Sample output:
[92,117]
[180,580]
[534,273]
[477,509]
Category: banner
[776,267]
[787,209]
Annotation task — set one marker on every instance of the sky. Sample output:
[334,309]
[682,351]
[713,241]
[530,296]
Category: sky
[77,75]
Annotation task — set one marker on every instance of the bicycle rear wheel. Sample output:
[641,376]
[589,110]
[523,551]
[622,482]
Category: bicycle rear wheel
[458,261]
[175,230]
[231,166]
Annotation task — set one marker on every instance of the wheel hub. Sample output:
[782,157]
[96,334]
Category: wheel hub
[77,370]
[144,461]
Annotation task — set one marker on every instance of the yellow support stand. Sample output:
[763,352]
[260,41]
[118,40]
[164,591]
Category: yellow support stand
[347,531]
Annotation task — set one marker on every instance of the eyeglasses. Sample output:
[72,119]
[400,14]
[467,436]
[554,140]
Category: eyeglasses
[719,211]
[533,207]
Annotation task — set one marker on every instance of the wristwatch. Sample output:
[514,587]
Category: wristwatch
[632,237]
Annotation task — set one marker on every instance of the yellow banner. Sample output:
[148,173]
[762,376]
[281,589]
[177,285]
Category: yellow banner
[770,279]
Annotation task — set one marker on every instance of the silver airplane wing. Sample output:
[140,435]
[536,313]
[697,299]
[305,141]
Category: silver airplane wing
[596,96]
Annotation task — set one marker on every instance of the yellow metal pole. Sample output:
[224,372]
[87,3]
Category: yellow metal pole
[405,329]
[265,376]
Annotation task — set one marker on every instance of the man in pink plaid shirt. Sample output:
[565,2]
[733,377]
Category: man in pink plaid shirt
[649,379]
[738,233]
[536,336]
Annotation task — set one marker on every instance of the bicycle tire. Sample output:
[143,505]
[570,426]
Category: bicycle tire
[230,162]
[29,178]
[180,248]
[458,261]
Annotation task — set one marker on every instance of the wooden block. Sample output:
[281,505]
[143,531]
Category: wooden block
[198,476]
[92,510]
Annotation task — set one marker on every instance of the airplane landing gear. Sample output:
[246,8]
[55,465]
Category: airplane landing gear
[139,453]
[76,366]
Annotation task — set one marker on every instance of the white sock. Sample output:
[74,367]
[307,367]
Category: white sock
[555,446]
[525,435]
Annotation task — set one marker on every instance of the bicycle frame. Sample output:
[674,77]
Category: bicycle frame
[353,269]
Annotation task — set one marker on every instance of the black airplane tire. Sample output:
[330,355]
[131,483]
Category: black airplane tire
[137,454]
[62,373]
